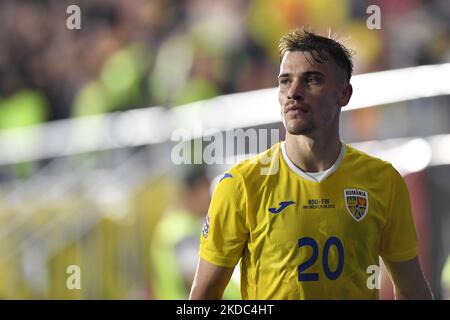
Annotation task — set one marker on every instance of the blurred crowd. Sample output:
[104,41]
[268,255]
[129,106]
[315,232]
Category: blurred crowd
[140,53]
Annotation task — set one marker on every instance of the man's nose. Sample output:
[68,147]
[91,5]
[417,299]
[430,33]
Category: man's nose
[295,92]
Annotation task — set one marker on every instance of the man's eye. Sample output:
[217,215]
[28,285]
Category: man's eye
[285,81]
[312,80]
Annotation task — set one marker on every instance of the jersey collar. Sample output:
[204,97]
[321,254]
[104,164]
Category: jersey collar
[316,177]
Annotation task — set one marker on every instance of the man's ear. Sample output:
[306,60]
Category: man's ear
[346,94]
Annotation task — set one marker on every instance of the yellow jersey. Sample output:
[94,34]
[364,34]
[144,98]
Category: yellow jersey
[299,238]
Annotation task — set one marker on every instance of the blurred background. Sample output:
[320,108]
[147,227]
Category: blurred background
[86,117]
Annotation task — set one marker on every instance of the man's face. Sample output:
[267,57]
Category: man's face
[311,94]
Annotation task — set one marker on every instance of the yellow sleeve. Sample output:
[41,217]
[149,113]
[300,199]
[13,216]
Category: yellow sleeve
[225,232]
[399,236]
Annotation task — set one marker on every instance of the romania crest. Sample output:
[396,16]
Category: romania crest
[357,203]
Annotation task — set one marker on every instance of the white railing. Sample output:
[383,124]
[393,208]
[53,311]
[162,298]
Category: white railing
[155,124]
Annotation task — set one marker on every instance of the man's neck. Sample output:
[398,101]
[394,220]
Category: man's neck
[311,154]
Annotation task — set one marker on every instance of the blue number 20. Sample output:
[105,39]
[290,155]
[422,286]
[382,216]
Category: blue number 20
[332,275]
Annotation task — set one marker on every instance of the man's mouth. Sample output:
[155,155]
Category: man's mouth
[296,109]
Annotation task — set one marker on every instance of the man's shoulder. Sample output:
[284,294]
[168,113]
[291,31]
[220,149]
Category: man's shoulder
[369,163]
[257,166]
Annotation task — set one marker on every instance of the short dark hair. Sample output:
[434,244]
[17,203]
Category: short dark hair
[320,47]
[193,174]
